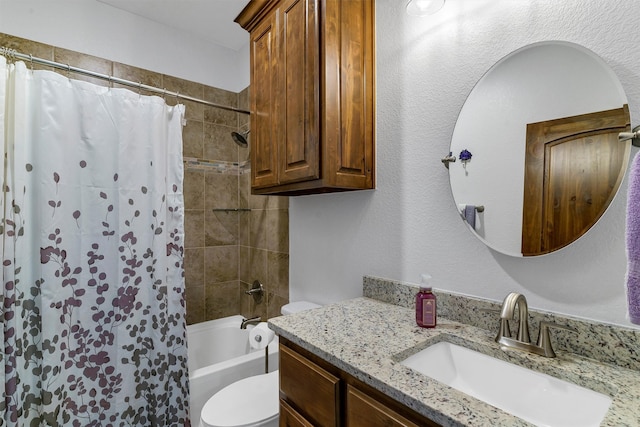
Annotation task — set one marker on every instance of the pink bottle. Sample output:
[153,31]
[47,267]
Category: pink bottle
[425,304]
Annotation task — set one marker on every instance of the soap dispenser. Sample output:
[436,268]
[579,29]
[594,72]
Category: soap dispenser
[425,304]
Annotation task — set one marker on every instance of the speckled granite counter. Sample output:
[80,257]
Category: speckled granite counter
[367,338]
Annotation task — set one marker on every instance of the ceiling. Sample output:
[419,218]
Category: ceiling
[210,20]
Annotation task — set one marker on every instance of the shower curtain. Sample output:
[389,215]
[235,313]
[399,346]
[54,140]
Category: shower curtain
[93,313]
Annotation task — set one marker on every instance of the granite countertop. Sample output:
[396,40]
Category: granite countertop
[367,338]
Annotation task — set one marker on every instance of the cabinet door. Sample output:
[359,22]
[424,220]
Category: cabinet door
[264,102]
[348,81]
[299,146]
[363,411]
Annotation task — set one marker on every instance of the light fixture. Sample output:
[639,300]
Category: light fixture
[424,7]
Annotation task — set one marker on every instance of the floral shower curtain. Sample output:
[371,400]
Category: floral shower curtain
[93,315]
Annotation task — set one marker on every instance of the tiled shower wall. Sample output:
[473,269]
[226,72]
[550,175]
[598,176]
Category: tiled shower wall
[231,237]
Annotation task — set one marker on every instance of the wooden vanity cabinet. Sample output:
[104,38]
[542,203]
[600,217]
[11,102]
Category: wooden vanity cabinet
[312,95]
[315,393]
[310,390]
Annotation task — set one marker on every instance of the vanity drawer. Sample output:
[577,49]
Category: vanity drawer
[309,389]
[364,411]
[290,418]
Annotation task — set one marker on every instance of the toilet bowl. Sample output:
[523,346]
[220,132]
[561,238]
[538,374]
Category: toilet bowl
[252,401]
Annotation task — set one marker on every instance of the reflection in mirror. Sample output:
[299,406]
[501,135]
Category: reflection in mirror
[543,126]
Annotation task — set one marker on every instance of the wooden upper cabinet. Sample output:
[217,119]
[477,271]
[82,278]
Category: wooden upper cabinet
[312,95]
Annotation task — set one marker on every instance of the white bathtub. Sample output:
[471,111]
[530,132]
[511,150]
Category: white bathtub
[219,354]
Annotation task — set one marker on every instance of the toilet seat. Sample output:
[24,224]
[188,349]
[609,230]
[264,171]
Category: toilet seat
[249,402]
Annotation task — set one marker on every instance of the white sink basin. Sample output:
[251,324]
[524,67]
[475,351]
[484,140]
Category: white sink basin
[535,397]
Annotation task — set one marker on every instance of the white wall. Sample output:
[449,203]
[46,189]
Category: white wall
[426,67]
[95,28]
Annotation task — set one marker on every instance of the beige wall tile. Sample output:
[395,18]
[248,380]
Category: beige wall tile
[243,98]
[221,191]
[276,230]
[193,139]
[28,47]
[221,96]
[277,202]
[194,110]
[244,264]
[268,202]
[257,229]
[194,267]
[193,188]
[258,202]
[221,228]
[217,115]
[244,228]
[193,228]
[195,301]
[244,191]
[220,264]
[86,62]
[244,156]
[258,265]
[274,305]
[139,75]
[278,273]
[218,143]
[222,299]
[221,117]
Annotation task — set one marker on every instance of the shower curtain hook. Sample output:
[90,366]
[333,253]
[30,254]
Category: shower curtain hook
[68,71]
[9,54]
[6,52]
[31,61]
[139,88]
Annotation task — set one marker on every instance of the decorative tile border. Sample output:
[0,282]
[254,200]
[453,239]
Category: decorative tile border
[217,166]
[613,344]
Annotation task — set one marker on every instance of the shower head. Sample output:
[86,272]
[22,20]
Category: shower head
[240,138]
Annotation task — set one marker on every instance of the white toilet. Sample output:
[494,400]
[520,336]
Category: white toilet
[252,401]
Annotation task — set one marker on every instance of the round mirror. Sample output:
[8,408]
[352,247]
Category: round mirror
[536,145]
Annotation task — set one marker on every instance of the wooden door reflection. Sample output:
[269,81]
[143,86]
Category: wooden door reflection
[573,168]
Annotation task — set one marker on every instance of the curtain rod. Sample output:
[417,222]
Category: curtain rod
[12,54]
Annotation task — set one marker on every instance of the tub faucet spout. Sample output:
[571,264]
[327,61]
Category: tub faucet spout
[250,321]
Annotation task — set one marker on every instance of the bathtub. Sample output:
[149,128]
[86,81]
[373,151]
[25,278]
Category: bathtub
[219,354]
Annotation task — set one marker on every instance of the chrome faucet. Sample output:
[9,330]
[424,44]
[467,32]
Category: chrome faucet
[523,341]
[250,321]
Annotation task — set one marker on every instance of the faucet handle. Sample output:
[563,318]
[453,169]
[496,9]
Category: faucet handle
[544,339]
